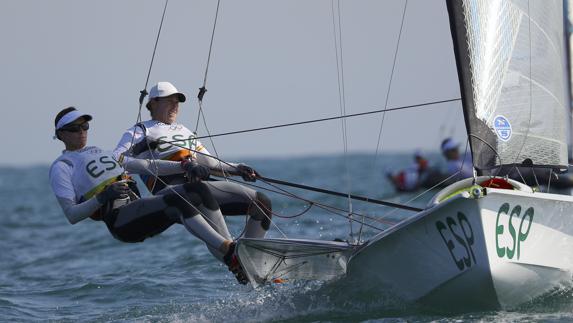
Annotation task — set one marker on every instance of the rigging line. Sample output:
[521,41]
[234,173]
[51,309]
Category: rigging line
[143,93]
[327,208]
[213,224]
[549,182]
[225,175]
[329,192]
[303,212]
[490,147]
[310,188]
[530,88]
[519,172]
[254,203]
[344,124]
[330,118]
[311,203]
[203,89]
[535,177]
[332,209]
[342,98]
[390,82]
[211,140]
[394,59]
[464,161]
[323,206]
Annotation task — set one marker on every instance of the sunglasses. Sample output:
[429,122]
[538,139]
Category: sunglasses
[76,127]
[167,100]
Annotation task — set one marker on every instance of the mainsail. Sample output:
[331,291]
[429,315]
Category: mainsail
[511,66]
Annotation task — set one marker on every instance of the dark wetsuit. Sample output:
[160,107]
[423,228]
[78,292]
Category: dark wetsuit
[235,199]
[149,216]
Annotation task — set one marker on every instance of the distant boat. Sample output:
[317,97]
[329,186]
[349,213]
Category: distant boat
[423,175]
[485,242]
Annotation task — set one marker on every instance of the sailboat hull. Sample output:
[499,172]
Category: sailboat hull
[473,248]
[496,251]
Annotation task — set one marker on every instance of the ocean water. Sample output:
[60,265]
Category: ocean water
[53,271]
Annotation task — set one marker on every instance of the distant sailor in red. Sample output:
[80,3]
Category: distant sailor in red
[410,178]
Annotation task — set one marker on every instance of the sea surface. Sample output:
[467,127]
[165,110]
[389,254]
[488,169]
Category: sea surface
[53,271]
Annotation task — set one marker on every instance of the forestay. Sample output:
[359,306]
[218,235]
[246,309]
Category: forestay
[508,53]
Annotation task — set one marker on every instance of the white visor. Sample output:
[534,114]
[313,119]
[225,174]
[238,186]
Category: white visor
[71,117]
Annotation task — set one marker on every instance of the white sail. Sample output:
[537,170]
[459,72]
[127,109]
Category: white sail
[511,65]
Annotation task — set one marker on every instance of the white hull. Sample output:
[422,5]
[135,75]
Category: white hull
[451,254]
[492,251]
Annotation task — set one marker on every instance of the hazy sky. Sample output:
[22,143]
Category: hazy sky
[273,62]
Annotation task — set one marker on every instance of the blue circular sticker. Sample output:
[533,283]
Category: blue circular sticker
[502,127]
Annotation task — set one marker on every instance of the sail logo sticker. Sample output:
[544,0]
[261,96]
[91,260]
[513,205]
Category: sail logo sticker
[502,127]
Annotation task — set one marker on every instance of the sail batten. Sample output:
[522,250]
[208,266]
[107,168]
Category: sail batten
[514,103]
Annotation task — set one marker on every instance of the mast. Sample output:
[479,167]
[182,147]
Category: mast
[568,27]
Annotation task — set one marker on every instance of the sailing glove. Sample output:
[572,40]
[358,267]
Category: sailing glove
[247,173]
[112,192]
[195,172]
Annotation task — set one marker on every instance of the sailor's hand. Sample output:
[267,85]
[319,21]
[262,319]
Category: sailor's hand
[198,172]
[195,172]
[113,191]
[247,173]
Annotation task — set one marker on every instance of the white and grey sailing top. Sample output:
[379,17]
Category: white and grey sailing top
[76,177]
[171,144]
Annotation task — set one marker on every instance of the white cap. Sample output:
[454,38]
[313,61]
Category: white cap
[164,89]
[449,144]
[71,117]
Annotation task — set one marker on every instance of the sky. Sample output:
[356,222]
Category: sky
[272,62]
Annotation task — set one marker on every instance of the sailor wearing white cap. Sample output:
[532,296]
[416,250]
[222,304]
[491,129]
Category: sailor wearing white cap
[159,148]
[164,90]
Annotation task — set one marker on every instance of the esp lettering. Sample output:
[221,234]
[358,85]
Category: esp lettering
[95,170]
[517,237]
[463,238]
